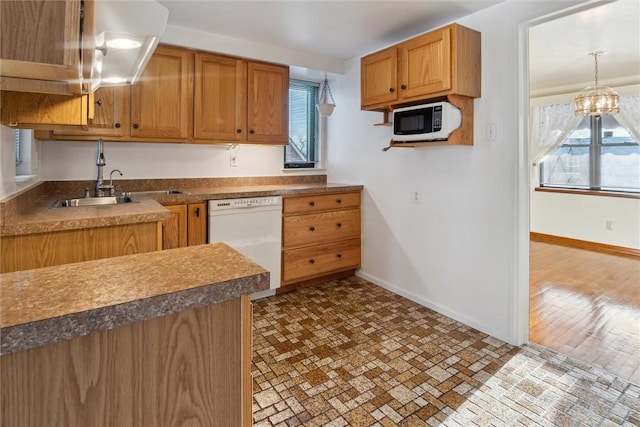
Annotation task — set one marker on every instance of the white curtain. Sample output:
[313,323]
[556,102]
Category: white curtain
[629,116]
[551,126]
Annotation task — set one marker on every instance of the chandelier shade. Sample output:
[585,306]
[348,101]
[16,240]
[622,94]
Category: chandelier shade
[597,100]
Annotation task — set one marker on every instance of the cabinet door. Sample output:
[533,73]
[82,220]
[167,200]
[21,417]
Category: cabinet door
[220,103]
[378,77]
[42,110]
[268,103]
[161,100]
[41,42]
[174,229]
[196,224]
[425,64]
[110,114]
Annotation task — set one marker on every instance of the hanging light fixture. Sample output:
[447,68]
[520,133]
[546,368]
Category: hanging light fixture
[597,100]
[324,107]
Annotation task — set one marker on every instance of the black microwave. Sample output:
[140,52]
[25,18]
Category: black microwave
[428,122]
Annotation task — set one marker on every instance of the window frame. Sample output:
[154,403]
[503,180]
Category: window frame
[313,135]
[595,163]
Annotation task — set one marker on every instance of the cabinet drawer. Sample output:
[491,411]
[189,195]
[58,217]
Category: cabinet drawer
[320,202]
[321,227]
[314,261]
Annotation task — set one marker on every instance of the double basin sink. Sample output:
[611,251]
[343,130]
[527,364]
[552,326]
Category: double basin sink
[107,201]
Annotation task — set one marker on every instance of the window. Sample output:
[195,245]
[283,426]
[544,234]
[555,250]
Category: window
[302,151]
[598,155]
[18,147]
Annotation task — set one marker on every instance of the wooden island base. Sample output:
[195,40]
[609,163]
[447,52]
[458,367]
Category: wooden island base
[191,368]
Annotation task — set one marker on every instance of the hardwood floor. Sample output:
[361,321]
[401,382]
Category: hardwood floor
[587,305]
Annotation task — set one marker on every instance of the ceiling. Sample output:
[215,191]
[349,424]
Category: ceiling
[559,49]
[340,29]
[345,29]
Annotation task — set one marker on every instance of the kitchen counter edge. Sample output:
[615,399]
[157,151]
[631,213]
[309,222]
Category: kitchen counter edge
[47,305]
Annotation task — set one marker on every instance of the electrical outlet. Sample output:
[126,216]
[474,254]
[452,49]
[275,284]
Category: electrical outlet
[233,160]
[608,225]
[416,197]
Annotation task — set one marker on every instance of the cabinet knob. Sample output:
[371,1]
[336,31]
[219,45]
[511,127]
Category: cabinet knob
[391,90]
[403,87]
[339,225]
[117,125]
[312,203]
[238,130]
[99,102]
[252,131]
[339,256]
[198,212]
[312,261]
[136,126]
[312,229]
[339,201]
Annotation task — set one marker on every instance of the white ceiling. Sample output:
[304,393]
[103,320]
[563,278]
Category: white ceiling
[344,29]
[559,49]
[341,29]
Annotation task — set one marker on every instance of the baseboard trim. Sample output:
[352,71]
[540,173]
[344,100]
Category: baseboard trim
[583,244]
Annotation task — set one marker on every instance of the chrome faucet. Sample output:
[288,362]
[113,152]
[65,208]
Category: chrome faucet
[102,189]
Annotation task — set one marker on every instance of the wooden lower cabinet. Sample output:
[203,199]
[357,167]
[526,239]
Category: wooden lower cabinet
[320,236]
[187,226]
[29,251]
[189,368]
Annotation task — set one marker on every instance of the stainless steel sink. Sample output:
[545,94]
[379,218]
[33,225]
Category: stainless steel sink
[93,201]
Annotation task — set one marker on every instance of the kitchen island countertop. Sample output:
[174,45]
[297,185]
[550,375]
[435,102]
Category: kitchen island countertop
[51,304]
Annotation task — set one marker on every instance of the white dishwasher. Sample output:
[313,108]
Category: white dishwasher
[253,227]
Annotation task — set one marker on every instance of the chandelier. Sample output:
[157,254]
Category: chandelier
[597,100]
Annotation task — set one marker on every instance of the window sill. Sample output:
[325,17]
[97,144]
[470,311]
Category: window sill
[589,192]
[25,178]
[305,171]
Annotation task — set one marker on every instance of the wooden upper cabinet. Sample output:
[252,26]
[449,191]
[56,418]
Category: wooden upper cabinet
[220,103]
[110,113]
[161,100]
[379,77]
[443,62]
[42,110]
[425,64]
[42,44]
[268,103]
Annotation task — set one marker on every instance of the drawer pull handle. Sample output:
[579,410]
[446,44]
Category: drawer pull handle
[312,229]
[339,225]
[312,261]
[238,130]
[339,255]
[117,125]
[312,203]
[339,201]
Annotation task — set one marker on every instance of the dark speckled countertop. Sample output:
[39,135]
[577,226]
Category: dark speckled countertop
[51,304]
[36,216]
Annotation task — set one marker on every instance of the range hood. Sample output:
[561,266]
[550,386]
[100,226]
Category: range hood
[127,33]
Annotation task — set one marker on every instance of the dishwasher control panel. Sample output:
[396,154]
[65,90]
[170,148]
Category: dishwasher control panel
[245,202]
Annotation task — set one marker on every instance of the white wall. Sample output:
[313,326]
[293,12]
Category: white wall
[65,160]
[458,251]
[584,217]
